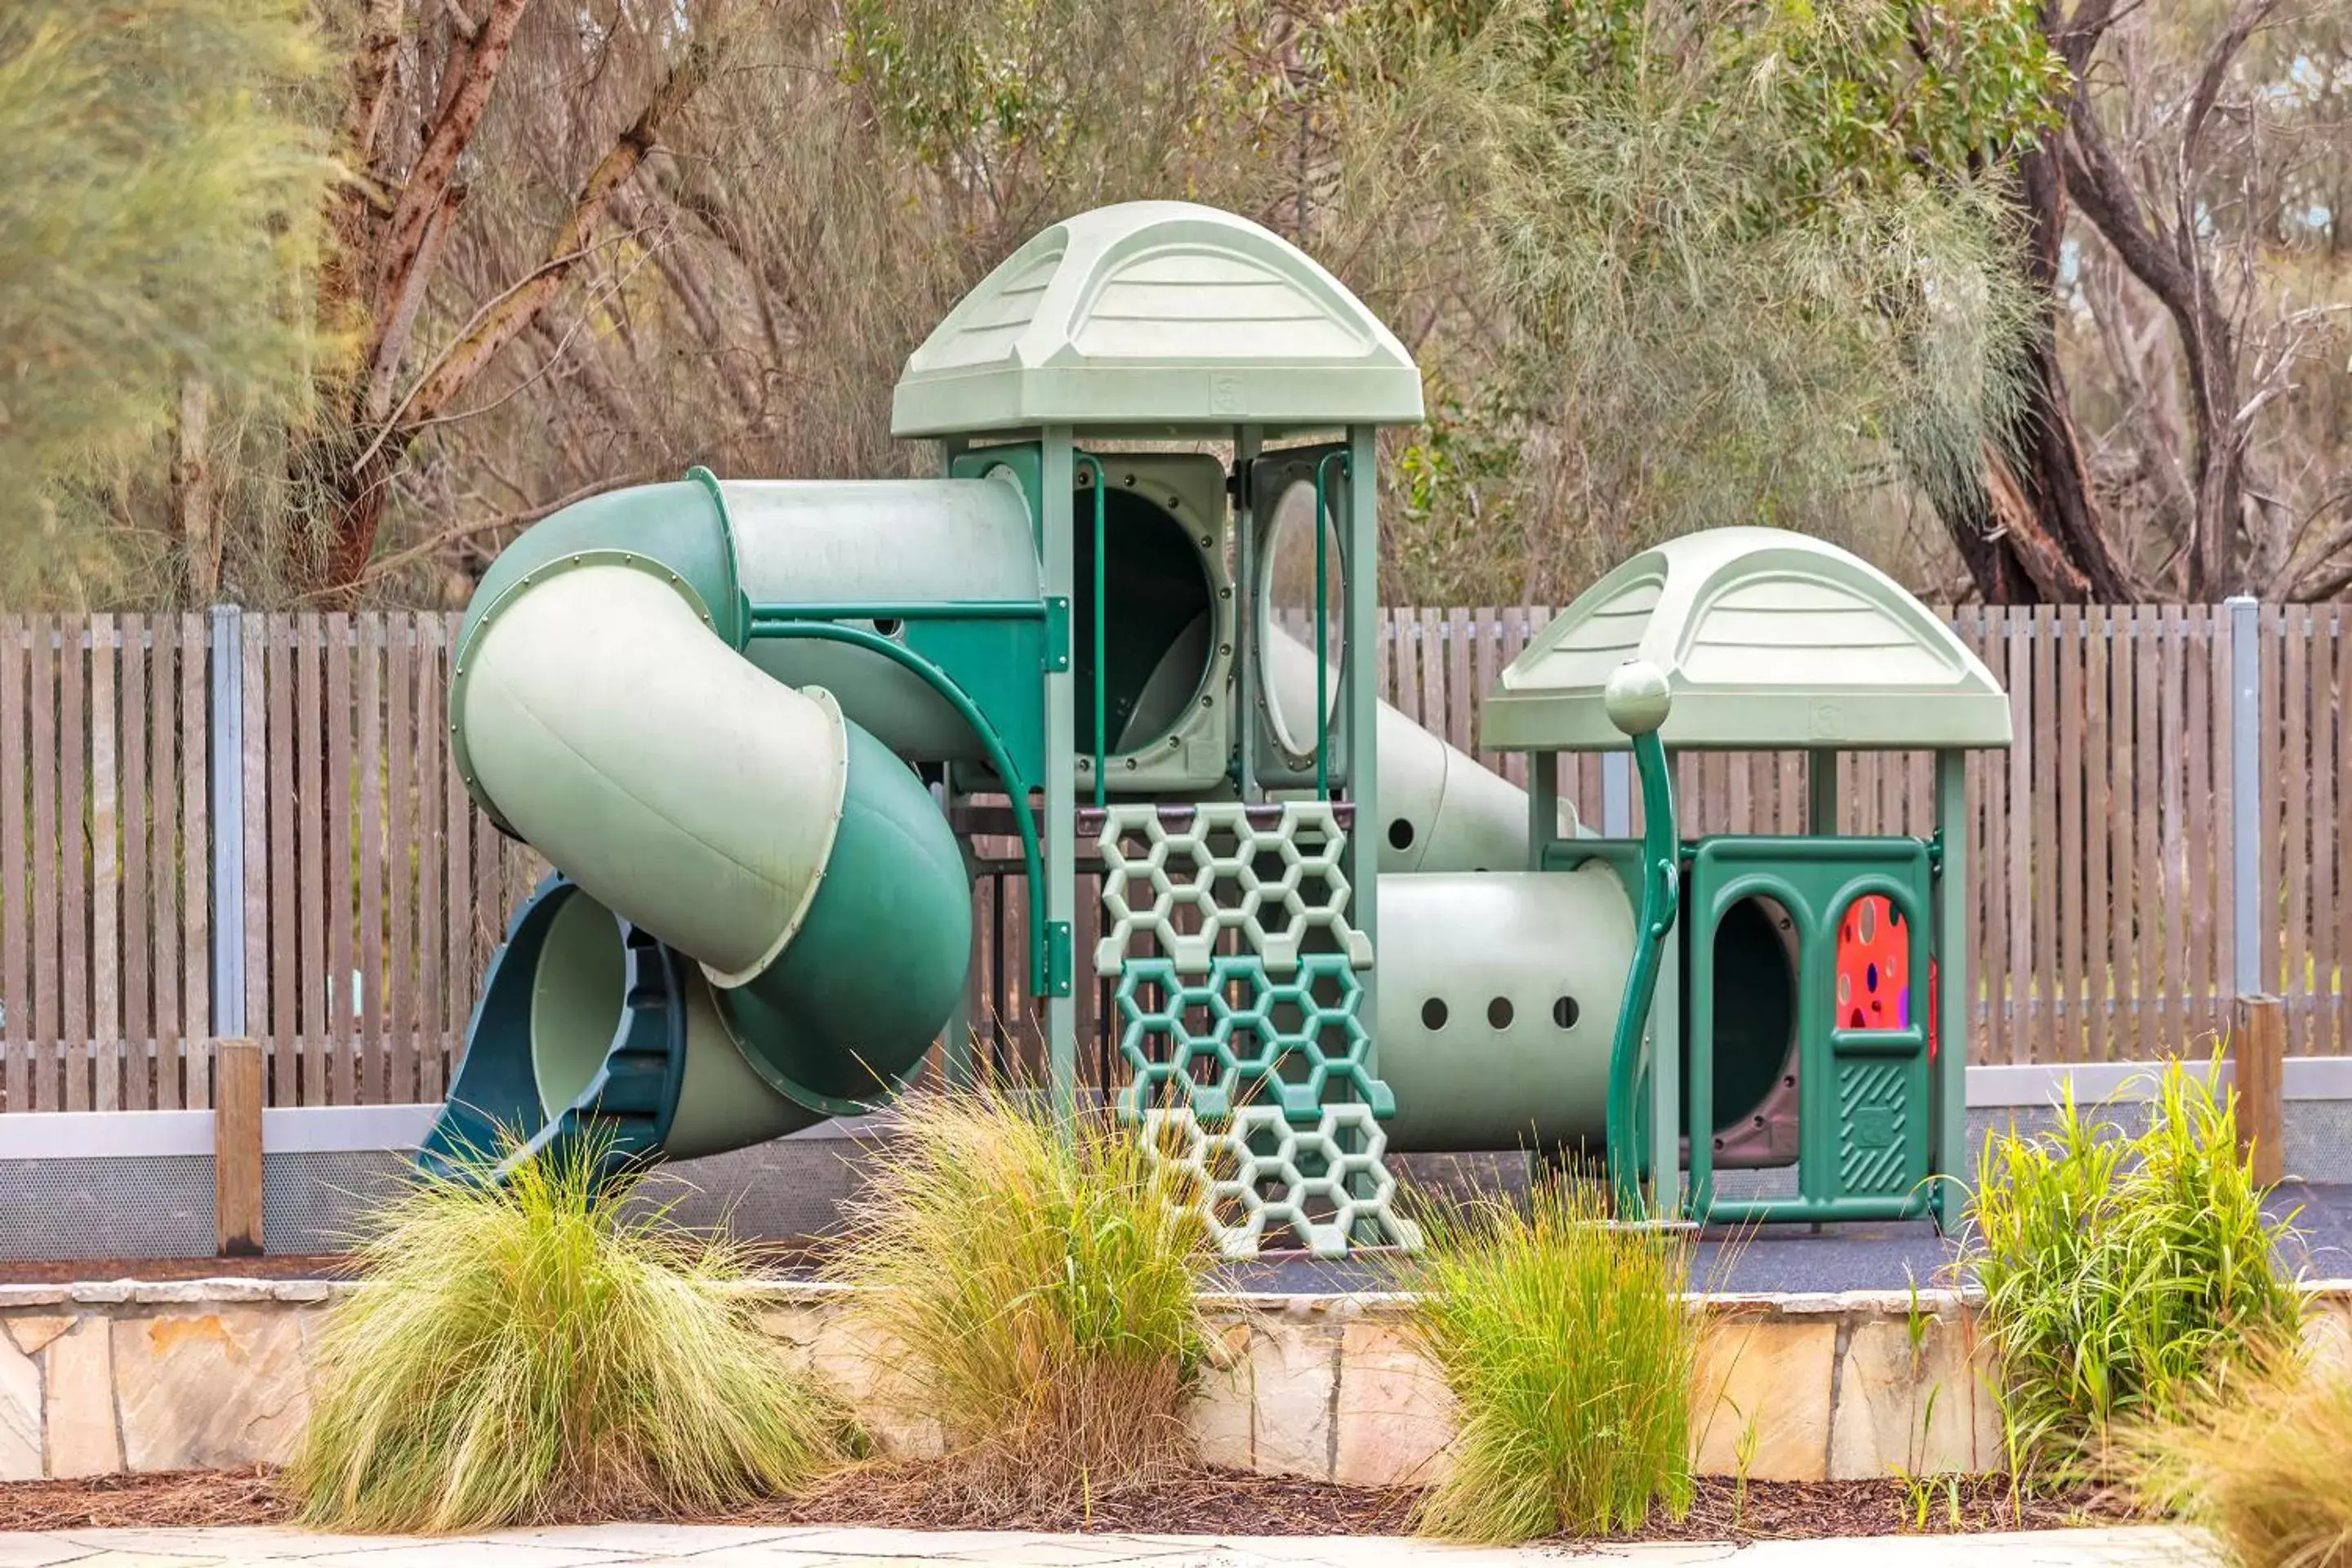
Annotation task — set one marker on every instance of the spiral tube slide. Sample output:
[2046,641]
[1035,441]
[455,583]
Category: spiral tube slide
[761,918]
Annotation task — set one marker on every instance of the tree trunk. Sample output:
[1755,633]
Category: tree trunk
[2035,536]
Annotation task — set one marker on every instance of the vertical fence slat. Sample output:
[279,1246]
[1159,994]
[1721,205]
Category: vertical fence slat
[400,891]
[73,846]
[369,632]
[138,1013]
[2341,751]
[2050,1041]
[2148,873]
[2319,1028]
[15,938]
[2219,682]
[433,1063]
[285,1012]
[2173,870]
[164,657]
[195,864]
[343,857]
[105,870]
[1990,959]
[2198,859]
[254,639]
[310,800]
[2017,630]
[2073,775]
[2294,864]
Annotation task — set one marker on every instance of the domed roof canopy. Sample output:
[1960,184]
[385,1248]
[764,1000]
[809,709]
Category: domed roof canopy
[1156,316]
[1769,640]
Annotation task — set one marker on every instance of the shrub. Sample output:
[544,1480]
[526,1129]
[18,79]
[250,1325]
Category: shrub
[2261,1465]
[2121,1271]
[542,1348]
[1038,1284]
[1569,1350]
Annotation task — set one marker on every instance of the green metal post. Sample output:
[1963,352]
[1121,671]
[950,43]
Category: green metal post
[1951,948]
[1061,785]
[1085,463]
[1359,560]
[1821,792]
[1543,805]
[1249,691]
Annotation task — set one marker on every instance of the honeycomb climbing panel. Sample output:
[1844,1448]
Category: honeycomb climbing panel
[1257,1171]
[1251,1069]
[1256,1025]
[1274,880]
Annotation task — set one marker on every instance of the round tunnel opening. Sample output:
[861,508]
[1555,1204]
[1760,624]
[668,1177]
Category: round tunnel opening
[1755,1011]
[578,991]
[1160,625]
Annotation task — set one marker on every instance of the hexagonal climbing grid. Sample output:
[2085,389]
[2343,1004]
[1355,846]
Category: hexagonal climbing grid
[1252,1069]
[1258,1173]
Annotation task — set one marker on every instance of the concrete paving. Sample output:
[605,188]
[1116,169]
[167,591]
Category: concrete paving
[747,1546]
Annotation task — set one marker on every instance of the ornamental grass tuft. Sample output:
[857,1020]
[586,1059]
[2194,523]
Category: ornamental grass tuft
[545,1348]
[1037,1281]
[1569,1348]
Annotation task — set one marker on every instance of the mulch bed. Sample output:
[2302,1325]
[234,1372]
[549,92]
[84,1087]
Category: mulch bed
[1207,1502]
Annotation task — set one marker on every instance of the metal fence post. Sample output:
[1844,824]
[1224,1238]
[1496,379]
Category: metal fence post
[225,739]
[2245,794]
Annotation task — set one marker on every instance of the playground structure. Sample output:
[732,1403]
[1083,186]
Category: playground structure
[730,714]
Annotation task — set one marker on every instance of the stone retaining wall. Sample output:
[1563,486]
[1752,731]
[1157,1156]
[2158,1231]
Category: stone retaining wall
[100,1378]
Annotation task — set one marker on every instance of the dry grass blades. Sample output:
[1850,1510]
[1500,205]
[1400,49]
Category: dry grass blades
[544,1350]
[1569,1351]
[1038,1292]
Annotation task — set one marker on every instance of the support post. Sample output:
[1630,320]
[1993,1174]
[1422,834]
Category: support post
[1951,991]
[1543,805]
[237,1148]
[2258,1061]
[1248,692]
[224,758]
[1360,559]
[1822,793]
[1059,479]
[2246,795]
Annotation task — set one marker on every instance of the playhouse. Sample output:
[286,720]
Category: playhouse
[737,716]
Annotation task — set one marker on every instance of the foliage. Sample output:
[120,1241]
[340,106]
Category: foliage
[2122,1270]
[2260,1466]
[1043,1289]
[163,190]
[521,1352]
[1569,1351]
[1665,234]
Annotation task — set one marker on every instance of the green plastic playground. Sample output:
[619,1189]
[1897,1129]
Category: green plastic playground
[733,714]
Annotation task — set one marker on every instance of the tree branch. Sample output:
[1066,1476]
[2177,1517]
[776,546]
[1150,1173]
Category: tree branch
[513,314]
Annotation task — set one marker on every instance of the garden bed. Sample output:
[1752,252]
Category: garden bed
[1208,1503]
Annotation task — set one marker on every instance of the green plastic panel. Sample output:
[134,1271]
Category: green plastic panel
[1865,1109]
[1769,640]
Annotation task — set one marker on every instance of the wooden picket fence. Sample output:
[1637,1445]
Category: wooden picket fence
[373,894]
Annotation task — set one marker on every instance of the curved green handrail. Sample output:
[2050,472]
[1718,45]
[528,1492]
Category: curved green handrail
[1033,859]
[731,595]
[1661,895]
[1322,630]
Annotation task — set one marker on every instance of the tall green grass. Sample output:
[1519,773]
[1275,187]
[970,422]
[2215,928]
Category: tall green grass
[2122,1272]
[543,1350]
[1038,1282]
[1569,1351]
[2261,1464]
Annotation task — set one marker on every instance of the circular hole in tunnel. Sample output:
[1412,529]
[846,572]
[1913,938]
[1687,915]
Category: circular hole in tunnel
[1400,834]
[1432,1015]
[889,625]
[1498,1013]
[1564,1012]
[1159,622]
[1755,1010]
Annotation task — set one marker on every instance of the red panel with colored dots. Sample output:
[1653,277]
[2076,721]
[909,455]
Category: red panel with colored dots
[1874,969]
